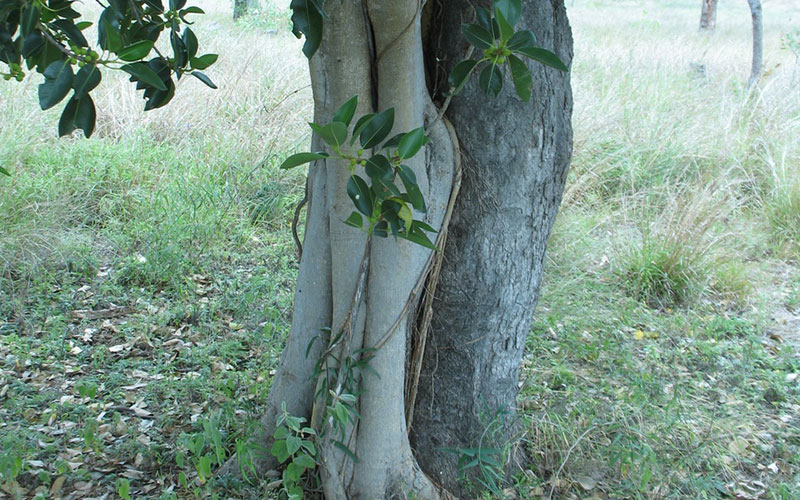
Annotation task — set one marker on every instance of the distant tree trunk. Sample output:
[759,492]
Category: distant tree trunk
[708,16]
[239,8]
[758,42]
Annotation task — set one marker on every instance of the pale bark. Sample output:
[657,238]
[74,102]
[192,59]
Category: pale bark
[708,16]
[757,66]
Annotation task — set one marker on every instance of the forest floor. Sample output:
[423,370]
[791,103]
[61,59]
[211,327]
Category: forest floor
[146,274]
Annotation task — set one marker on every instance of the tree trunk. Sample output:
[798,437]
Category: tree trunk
[708,16]
[239,8]
[515,160]
[515,157]
[758,42]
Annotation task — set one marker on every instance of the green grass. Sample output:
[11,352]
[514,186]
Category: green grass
[662,362]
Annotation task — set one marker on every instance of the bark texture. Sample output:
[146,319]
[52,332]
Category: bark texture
[515,158]
[757,66]
[708,16]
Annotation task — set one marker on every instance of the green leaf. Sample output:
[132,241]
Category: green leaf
[83,25]
[345,113]
[136,51]
[86,80]
[355,220]
[520,40]
[412,188]
[523,83]
[142,72]
[292,444]
[307,20]
[58,79]
[334,133]
[460,74]
[505,27]
[484,18]
[510,10]
[411,143]
[293,472]
[379,167]
[181,57]
[544,56]
[203,61]
[67,27]
[393,142]
[347,451]
[124,489]
[361,195]
[304,460]
[30,16]
[301,158]
[491,80]
[360,124]
[109,35]
[280,433]
[478,36]
[78,114]
[418,236]
[203,78]
[4,172]
[377,129]
[408,218]
[279,450]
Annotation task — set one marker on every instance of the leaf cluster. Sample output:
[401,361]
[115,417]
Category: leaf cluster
[382,206]
[294,446]
[494,35]
[47,36]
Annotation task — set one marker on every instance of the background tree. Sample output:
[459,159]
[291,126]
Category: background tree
[708,16]
[758,42]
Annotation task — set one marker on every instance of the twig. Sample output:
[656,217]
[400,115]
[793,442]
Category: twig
[433,280]
[297,210]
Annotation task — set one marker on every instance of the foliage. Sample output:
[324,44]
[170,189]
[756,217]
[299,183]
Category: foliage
[494,35]
[48,35]
[386,208]
[294,446]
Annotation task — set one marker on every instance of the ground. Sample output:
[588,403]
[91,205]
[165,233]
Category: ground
[146,275]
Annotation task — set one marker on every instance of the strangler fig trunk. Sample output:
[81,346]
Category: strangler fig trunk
[514,157]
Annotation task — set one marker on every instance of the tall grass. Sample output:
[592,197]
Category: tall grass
[158,192]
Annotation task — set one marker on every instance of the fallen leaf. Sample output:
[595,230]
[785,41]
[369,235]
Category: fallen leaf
[57,484]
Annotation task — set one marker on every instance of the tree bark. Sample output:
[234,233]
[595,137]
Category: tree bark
[708,16]
[515,160]
[758,42]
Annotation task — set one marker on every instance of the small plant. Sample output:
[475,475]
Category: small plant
[294,446]
[124,489]
[486,461]
[204,450]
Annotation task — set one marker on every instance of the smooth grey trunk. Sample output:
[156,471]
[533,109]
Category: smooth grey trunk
[515,158]
[708,16]
[758,42]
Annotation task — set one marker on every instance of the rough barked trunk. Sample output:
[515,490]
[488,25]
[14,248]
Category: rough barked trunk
[515,158]
[708,16]
[758,42]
